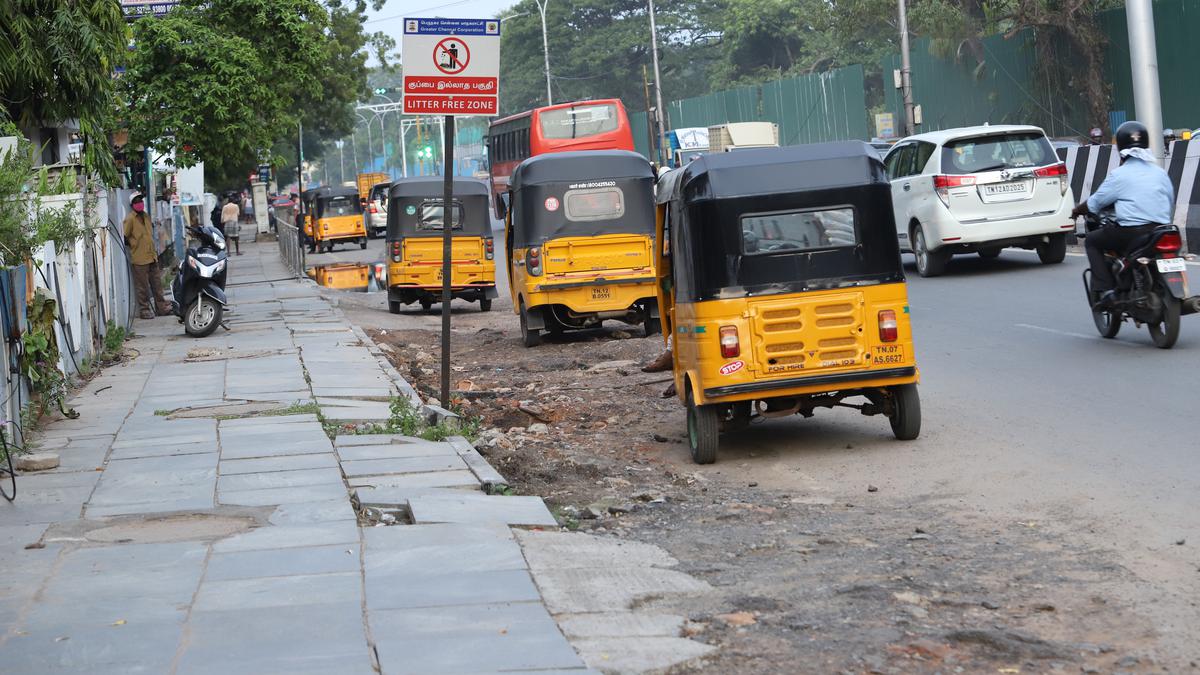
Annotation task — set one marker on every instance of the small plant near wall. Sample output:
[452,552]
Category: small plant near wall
[39,360]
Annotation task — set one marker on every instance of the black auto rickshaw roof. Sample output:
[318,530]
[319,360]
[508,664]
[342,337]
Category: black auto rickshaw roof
[576,167]
[333,192]
[432,187]
[767,171]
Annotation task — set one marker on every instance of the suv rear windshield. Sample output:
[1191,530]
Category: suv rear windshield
[993,153]
[379,193]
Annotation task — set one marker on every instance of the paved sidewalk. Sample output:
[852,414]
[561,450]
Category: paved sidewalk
[191,528]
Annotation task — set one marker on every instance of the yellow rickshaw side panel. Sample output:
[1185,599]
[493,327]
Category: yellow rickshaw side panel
[829,337]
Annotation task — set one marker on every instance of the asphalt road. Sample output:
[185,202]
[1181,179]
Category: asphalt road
[1029,416]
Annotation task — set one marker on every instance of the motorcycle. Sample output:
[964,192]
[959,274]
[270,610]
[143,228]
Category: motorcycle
[199,288]
[1151,288]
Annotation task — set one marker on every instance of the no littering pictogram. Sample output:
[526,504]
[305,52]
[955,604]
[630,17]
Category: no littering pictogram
[451,55]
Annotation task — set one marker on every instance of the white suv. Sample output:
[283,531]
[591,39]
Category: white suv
[979,190]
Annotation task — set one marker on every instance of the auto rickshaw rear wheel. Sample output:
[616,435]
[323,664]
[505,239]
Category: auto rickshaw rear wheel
[426,304]
[530,337]
[394,306]
[363,243]
[653,326]
[906,412]
[485,304]
[703,431]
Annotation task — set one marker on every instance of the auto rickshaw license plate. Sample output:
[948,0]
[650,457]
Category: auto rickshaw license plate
[889,354]
[601,293]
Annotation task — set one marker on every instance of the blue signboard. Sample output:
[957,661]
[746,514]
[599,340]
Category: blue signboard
[440,26]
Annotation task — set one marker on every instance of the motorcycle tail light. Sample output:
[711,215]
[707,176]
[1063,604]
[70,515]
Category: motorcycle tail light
[730,344]
[889,329]
[1169,243]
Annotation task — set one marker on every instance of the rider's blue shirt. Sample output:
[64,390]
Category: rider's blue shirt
[1141,192]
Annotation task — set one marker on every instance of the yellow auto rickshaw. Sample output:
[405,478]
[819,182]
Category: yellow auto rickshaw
[337,218]
[342,276]
[415,221]
[779,277]
[307,204]
[579,242]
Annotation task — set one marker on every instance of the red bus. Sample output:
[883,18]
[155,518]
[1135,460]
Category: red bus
[582,125]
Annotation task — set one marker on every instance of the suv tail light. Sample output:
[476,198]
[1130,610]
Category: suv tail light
[374,209]
[1058,171]
[489,248]
[730,345]
[889,329]
[942,185]
[1169,243]
[395,251]
[533,261]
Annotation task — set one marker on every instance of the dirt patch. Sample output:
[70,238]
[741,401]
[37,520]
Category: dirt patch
[160,529]
[849,584]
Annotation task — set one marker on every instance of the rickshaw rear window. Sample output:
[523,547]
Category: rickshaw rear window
[432,218]
[340,206]
[604,203]
[796,231]
[578,121]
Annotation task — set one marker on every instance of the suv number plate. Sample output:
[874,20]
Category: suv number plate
[1171,265]
[1005,188]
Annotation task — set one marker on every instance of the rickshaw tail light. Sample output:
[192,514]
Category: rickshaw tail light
[889,330]
[489,248]
[533,261]
[396,251]
[730,345]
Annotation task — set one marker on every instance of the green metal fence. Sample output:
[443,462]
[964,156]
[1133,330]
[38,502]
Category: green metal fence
[813,108]
[1175,23]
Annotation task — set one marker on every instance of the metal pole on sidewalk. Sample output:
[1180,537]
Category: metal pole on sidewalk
[910,124]
[541,5]
[403,151]
[448,213]
[1143,65]
[300,195]
[661,112]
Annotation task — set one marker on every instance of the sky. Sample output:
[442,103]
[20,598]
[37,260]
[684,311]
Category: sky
[388,19]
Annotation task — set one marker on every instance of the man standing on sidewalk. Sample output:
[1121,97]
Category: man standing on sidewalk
[147,279]
[229,221]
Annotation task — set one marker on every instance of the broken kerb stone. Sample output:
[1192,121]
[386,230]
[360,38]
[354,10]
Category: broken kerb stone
[36,461]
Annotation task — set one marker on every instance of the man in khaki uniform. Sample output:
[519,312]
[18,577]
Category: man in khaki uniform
[147,279]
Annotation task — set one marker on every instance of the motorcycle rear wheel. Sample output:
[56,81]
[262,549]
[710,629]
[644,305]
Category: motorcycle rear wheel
[1166,332]
[202,316]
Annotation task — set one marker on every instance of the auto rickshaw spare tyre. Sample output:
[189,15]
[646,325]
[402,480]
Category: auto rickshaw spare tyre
[394,306]
[1053,251]
[530,337]
[426,304]
[202,316]
[485,304]
[703,431]
[929,263]
[653,326]
[906,412]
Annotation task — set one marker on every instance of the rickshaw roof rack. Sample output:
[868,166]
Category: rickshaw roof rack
[573,167]
[759,171]
[331,191]
[432,186]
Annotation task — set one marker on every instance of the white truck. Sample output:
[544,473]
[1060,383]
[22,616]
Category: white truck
[741,135]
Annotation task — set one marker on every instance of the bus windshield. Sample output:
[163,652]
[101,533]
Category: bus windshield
[578,121]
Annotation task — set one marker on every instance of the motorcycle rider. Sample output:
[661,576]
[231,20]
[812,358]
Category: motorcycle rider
[1142,196]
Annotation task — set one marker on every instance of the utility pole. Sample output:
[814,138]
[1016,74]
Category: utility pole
[661,112]
[449,215]
[341,160]
[649,118]
[910,126]
[1143,65]
[541,5]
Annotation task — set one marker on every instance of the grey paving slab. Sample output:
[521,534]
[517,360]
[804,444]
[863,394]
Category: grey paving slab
[46,505]
[374,439]
[189,504]
[374,467]
[300,444]
[135,466]
[639,654]
[355,392]
[313,638]
[232,467]
[483,471]
[166,448]
[471,638]
[93,649]
[291,591]
[478,508]
[280,479]
[264,420]
[409,481]
[285,495]
[283,562]
[407,589]
[396,451]
[34,481]
[433,549]
[290,536]
[305,513]
[153,486]
[608,590]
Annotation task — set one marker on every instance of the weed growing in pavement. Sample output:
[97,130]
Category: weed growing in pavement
[162,412]
[297,408]
[405,419]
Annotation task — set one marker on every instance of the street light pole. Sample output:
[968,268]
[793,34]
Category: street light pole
[910,125]
[541,5]
[341,160]
[1143,64]
[661,113]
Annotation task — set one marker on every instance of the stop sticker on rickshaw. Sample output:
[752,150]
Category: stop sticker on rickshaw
[551,203]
